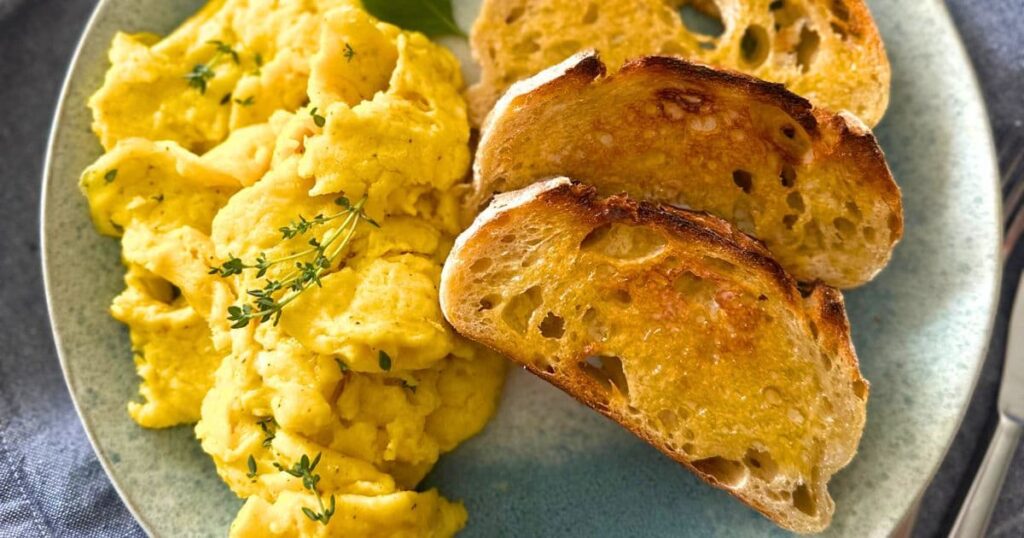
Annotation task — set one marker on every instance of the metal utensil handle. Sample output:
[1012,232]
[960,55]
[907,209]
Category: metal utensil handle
[981,499]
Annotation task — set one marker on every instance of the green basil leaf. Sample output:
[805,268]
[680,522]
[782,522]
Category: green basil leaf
[432,17]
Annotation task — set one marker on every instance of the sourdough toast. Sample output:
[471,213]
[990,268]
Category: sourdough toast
[675,325]
[814,186]
[829,51]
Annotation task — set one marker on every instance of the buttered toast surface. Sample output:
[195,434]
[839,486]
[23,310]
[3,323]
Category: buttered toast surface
[813,185]
[677,326]
[828,51]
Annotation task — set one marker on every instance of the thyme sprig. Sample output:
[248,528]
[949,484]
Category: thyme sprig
[203,73]
[310,264]
[304,469]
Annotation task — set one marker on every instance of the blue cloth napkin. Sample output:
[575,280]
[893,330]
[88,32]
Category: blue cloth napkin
[50,481]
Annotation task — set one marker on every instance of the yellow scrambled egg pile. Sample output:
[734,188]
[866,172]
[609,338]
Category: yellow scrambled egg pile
[251,117]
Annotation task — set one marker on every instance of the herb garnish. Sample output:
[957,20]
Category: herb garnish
[384,360]
[269,301]
[317,118]
[227,98]
[252,467]
[341,365]
[304,469]
[349,52]
[265,425]
[198,77]
[248,101]
[223,49]
[110,176]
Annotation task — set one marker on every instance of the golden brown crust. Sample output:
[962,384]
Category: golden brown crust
[827,50]
[673,131]
[503,242]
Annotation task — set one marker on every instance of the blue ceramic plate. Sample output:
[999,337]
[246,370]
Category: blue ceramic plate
[547,466]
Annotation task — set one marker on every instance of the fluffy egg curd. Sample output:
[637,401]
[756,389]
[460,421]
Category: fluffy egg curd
[285,179]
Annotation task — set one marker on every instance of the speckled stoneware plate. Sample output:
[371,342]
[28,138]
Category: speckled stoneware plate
[547,466]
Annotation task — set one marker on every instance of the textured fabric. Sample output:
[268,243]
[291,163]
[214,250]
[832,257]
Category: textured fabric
[50,481]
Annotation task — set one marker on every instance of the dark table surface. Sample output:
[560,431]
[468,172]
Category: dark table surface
[36,43]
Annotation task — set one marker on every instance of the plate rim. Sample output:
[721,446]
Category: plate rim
[988,140]
[51,142]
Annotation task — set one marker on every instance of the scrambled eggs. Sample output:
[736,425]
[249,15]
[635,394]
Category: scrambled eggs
[249,134]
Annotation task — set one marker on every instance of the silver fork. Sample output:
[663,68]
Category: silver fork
[1011,161]
[976,510]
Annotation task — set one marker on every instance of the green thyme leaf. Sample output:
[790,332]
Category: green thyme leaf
[248,101]
[384,360]
[317,118]
[110,176]
[349,52]
[252,467]
[198,77]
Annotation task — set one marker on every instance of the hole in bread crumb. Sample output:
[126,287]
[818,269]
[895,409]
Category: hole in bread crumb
[669,420]
[488,302]
[702,17]
[804,501]
[788,131]
[790,220]
[726,472]
[845,227]
[717,264]
[787,176]
[854,210]
[623,241]
[761,464]
[526,47]
[860,389]
[826,361]
[776,5]
[596,329]
[591,14]
[689,284]
[772,395]
[481,265]
[622,296]
[520,308]
[796,201]
[552,326]
[840,10]
[508,238]
[839,30]
[807,48]
[608,372]
[688,448]
[893,222]
[515,14]
[744,180]
[869,233]
[814,330]
[815,239]
[754,46]
[795,416]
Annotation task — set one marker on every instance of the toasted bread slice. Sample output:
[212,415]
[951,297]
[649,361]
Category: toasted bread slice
[829,51]
[675,325]
[812,185]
